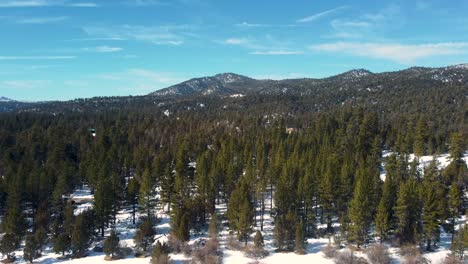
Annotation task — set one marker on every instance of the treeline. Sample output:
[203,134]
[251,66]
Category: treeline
[325,171]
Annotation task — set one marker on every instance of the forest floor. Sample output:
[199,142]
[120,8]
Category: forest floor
[126,231]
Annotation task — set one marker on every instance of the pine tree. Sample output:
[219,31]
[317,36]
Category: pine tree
[144,237]
[9,243]
[41,238]
[160,254]
[454,205]
[102,202]
[360,211]
[147,193]
[80,237]
[299,239]
[384,216]
[14,221]
[433,196]
[111,245]
[62,244]
[132,195]
[258,240]
[244,226]
[180,223]
[420,137]
[214,226]
[382,224]
[31,249]
[167,186]
[407,212]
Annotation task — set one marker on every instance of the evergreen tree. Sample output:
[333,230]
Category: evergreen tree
[14,221]
[360,212]
[407,212]
[31,249]
[258,240]
[454,205]
[244,225]
[147,200]
[180,223]
[62,244]
[41,238]
[214,226]
[9,243]
[299,239]
[420,137]
[132,195]
[144,237]
[111,245]
[80,237]
[160,254]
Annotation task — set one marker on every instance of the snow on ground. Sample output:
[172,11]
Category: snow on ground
[443,160]
[83,199]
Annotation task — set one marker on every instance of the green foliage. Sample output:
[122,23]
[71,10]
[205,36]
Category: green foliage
[258,240]
[299,239]
[62,243]
[160,254]
[80,236]
[9,243]
[144,236]
[111,244]
[31,248]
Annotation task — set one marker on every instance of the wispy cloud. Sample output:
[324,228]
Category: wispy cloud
[40,3]
[23,84]
[145,3]
[83,5]
[368,25]
[251,25]
[277,52]
[159,35]
[401,53]
[320,15]
[37,57]
[40,20]
[236,41]
[103,49]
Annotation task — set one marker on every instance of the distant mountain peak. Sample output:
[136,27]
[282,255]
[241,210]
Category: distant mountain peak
[5,99]
[463,66]
[231,84]
[229,77]
[353,74]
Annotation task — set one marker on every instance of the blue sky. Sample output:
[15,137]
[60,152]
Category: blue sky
[64,49]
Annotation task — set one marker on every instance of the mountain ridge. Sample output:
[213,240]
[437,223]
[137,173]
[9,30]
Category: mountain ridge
[228,84]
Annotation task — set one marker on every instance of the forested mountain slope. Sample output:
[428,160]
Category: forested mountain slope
[306,153]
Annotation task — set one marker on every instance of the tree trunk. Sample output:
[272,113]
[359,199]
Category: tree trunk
[133,213]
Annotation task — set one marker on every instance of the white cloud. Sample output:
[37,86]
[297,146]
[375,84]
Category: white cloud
[277,52]
[83,4]
[340,24]
[145,3]
[41,20]
[24,84]
[236,41]
[250,25]
[39,3]
[319,15]
[159,35]
[37,57]
[401,53]
[103,49]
